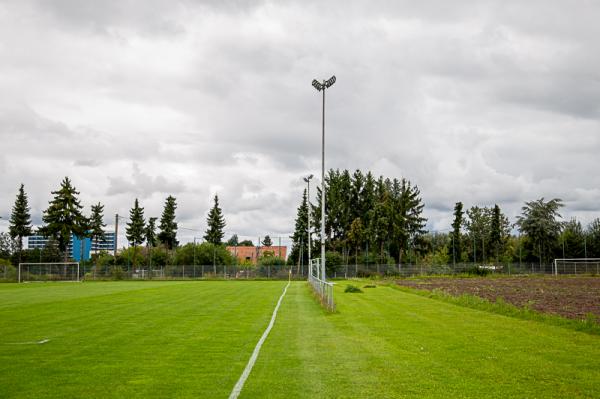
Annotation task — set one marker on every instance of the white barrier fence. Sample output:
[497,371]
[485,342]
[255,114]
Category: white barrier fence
[322,288]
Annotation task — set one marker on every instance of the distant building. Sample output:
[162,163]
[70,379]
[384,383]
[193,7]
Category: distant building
[251,254]
[74,249]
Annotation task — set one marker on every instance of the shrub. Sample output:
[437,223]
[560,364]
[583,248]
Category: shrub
[478,271]
[117,273]
[352,289]
[7,271]
[366,273]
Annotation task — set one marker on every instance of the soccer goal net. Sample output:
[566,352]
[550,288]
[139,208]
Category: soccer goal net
[577,266]
[60,271]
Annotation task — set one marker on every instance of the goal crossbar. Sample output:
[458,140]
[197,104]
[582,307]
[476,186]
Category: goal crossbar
[25,266]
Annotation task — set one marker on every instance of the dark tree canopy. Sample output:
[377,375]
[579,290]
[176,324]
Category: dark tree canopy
[538,221]
[573,240]
[97,224]
[267,242]
[593,239]
[150,233]
[300,236]
[216,223]
[496,237]
[390,213]
[63,216]
[135,230]
[233,241]
[168,226]
[20,219]
[455,249]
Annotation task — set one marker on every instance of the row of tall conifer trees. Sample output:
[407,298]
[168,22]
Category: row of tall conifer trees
[383,215]
[64,217]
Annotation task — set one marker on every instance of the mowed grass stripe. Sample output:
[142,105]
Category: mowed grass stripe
[387,344]
[12,295]
[170,340]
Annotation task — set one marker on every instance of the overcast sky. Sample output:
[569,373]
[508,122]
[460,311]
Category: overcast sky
[476,101]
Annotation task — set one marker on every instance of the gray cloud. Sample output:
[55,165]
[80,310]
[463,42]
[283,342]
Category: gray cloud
[482,102]
[142,184]
[86,162]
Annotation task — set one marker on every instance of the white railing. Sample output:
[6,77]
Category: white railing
[323,289]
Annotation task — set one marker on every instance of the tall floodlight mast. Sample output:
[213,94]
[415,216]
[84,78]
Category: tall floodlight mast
[321,87]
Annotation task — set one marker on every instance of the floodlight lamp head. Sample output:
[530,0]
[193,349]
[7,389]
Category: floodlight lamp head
[317,85]
[307,179]
[328,83]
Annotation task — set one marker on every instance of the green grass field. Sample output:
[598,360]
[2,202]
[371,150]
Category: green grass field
[193,339]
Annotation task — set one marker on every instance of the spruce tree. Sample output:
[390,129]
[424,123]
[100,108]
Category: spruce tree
[300,235]
[63,218]
[150,237]
[168,226]
[495,231]
[136,225]
[97,224]
[408,224]
[20,220]
[216,223]
[367,202]
[455,250]
[380,223]
[267,242]
[150,233]
[358,181]
[135,228]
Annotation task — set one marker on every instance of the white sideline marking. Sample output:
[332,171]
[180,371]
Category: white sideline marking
[28,343]
[240,384]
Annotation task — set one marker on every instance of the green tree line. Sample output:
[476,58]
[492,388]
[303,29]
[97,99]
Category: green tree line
[368,220]
[365,217]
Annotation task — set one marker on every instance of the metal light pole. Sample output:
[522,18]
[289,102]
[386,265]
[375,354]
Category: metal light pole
[321,87]
[307,180]
[195,250]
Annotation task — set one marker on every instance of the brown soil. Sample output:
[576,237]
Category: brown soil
[572,297]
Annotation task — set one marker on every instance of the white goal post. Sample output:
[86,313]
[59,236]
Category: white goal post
[576,266]
[48,271]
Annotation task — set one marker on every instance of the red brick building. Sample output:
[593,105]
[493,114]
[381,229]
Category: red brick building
[251,254]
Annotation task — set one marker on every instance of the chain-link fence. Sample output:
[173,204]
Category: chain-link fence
[300,272]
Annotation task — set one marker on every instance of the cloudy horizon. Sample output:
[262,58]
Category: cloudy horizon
[482,102]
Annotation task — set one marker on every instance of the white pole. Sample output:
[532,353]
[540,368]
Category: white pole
[78,270]
[308,208]
[19,272]
[323,191]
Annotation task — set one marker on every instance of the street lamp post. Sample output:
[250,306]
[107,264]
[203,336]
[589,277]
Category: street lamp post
[195,250]
[307,180]
[321,87]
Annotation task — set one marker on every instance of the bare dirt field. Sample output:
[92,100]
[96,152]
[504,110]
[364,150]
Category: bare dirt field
[572,297]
